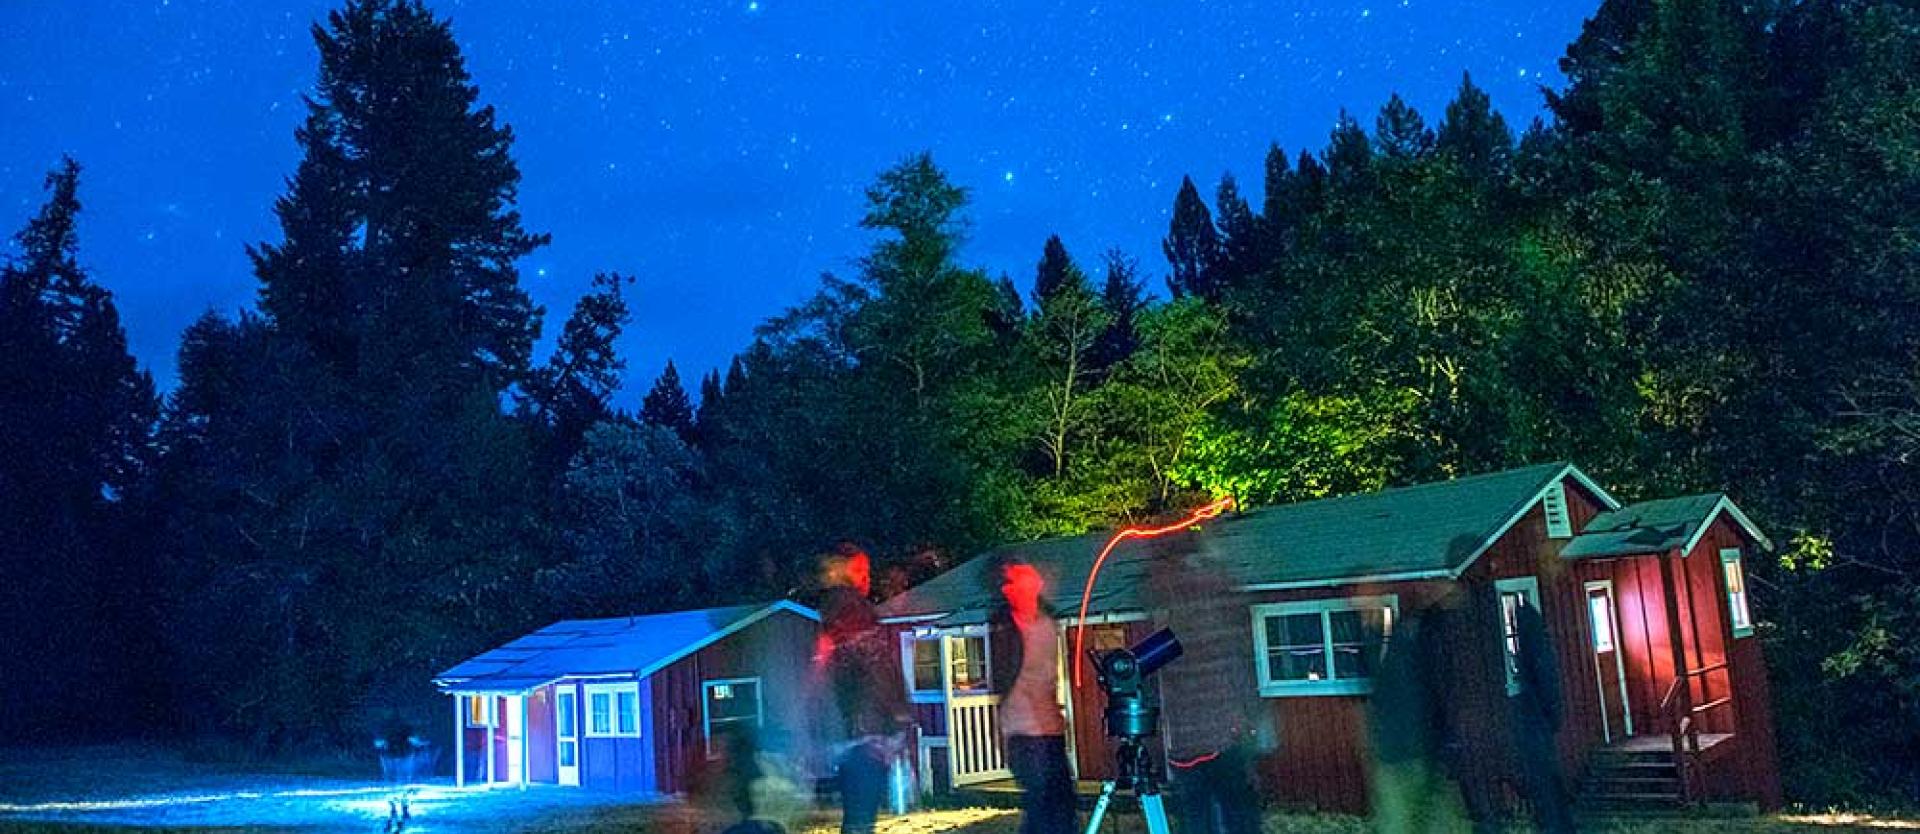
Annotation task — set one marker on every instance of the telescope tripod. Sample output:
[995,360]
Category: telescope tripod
[1137,777]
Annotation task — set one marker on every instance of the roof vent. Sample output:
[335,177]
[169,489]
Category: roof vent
[1554,503]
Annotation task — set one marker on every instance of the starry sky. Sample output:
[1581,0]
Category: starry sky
[716,149]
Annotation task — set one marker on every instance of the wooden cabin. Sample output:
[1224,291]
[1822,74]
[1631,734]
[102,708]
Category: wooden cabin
[1664,685]
[629,704]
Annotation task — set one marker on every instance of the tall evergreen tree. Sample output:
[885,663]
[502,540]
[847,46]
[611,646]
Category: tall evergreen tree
[1473,136]
[1239,237]
[1055,271]
[1122,297]
[1400,133]
[74,439]
[1067,323]
[1192,245]
[401,212]
[575,388]
[666,404]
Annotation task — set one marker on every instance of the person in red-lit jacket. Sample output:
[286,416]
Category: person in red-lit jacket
[1025,650]
[859,669]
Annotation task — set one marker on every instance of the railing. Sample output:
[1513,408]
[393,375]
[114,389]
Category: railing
[973,740]
[1683,714]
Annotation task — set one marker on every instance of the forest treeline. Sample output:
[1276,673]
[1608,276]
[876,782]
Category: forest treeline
[1698,273]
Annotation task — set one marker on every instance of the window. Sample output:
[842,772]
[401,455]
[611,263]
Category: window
[479,710]
[1514,593]
[967,658]
[1554,505]
[1322,647]
[923,664]
[731,703]
[1601,612]
[613,709]
[1736,592]
[566,726]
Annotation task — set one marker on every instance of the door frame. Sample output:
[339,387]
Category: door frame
[566,733]
[1619,662]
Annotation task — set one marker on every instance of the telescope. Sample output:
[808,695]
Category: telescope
[1131,718]
[1123,673]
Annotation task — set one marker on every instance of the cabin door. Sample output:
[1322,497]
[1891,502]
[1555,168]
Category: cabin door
[566,730]
[513,719]
[1093,753]
[1609,668]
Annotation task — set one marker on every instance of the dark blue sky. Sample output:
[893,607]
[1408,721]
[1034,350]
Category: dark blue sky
[716,150]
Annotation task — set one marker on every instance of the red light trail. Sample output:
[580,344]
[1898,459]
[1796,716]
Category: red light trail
[1212,510]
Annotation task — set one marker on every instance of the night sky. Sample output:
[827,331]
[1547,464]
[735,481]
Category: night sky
[717,150]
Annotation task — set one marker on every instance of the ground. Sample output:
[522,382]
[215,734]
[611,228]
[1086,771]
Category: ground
[138,790]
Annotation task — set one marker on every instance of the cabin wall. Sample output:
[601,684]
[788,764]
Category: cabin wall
[777,650]
[1479,678]
[542,755]
[1750,768]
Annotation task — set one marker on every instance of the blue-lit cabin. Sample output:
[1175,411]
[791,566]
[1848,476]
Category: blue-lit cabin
[628,704]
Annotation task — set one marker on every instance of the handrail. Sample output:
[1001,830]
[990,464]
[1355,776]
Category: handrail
[1686,731]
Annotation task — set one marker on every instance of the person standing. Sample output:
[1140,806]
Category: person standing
[1024,651]
[1216,722]
[1536,722]
[861,671]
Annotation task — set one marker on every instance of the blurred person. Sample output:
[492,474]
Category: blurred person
[1024,648]
[1536,709]
[1216,722]
[859,668]
[1408,719]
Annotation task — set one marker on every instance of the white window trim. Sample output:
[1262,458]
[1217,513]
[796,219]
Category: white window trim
[1270,688]
[706,693]
[1744,610]
[466,711]
[612,691]
[1530,585]
[923,696]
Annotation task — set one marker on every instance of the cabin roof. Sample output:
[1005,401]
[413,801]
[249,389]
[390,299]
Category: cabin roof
[634,646]
[1425,531]
[1656,527]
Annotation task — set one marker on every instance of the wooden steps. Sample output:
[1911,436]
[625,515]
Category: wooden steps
[1629,779]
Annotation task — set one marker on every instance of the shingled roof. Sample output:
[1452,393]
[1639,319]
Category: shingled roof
[637,646]
[1656,527]
[1431,530]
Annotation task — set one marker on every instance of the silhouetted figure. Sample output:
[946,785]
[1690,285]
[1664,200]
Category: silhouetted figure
[1025,651]
[1217,721]
[1536,720]
[1411,732]
[861,671]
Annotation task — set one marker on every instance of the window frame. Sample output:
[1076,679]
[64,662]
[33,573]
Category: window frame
[1271,688]
[948,657]
[706,701]
[1740,607]
[486,702]
[613,691]
[1530,587]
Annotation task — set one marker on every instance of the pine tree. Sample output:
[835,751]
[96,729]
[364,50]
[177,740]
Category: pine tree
[74,437]
[1239,237]
[667,406]
[1009,311]
[575,388]
[1349,158]
[1474,137]
[1400,133]
[707,418]
[1122,297]
[1056,270]
[399,233]
[1192,245]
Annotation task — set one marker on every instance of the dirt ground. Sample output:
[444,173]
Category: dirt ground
[129,790]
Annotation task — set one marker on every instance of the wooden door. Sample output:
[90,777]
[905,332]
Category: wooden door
[1093,754]
[1609,667]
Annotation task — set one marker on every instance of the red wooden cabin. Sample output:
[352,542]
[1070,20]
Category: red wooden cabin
[629,703]
[1647,606]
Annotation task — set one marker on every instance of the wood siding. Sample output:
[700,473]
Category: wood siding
[777,650]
